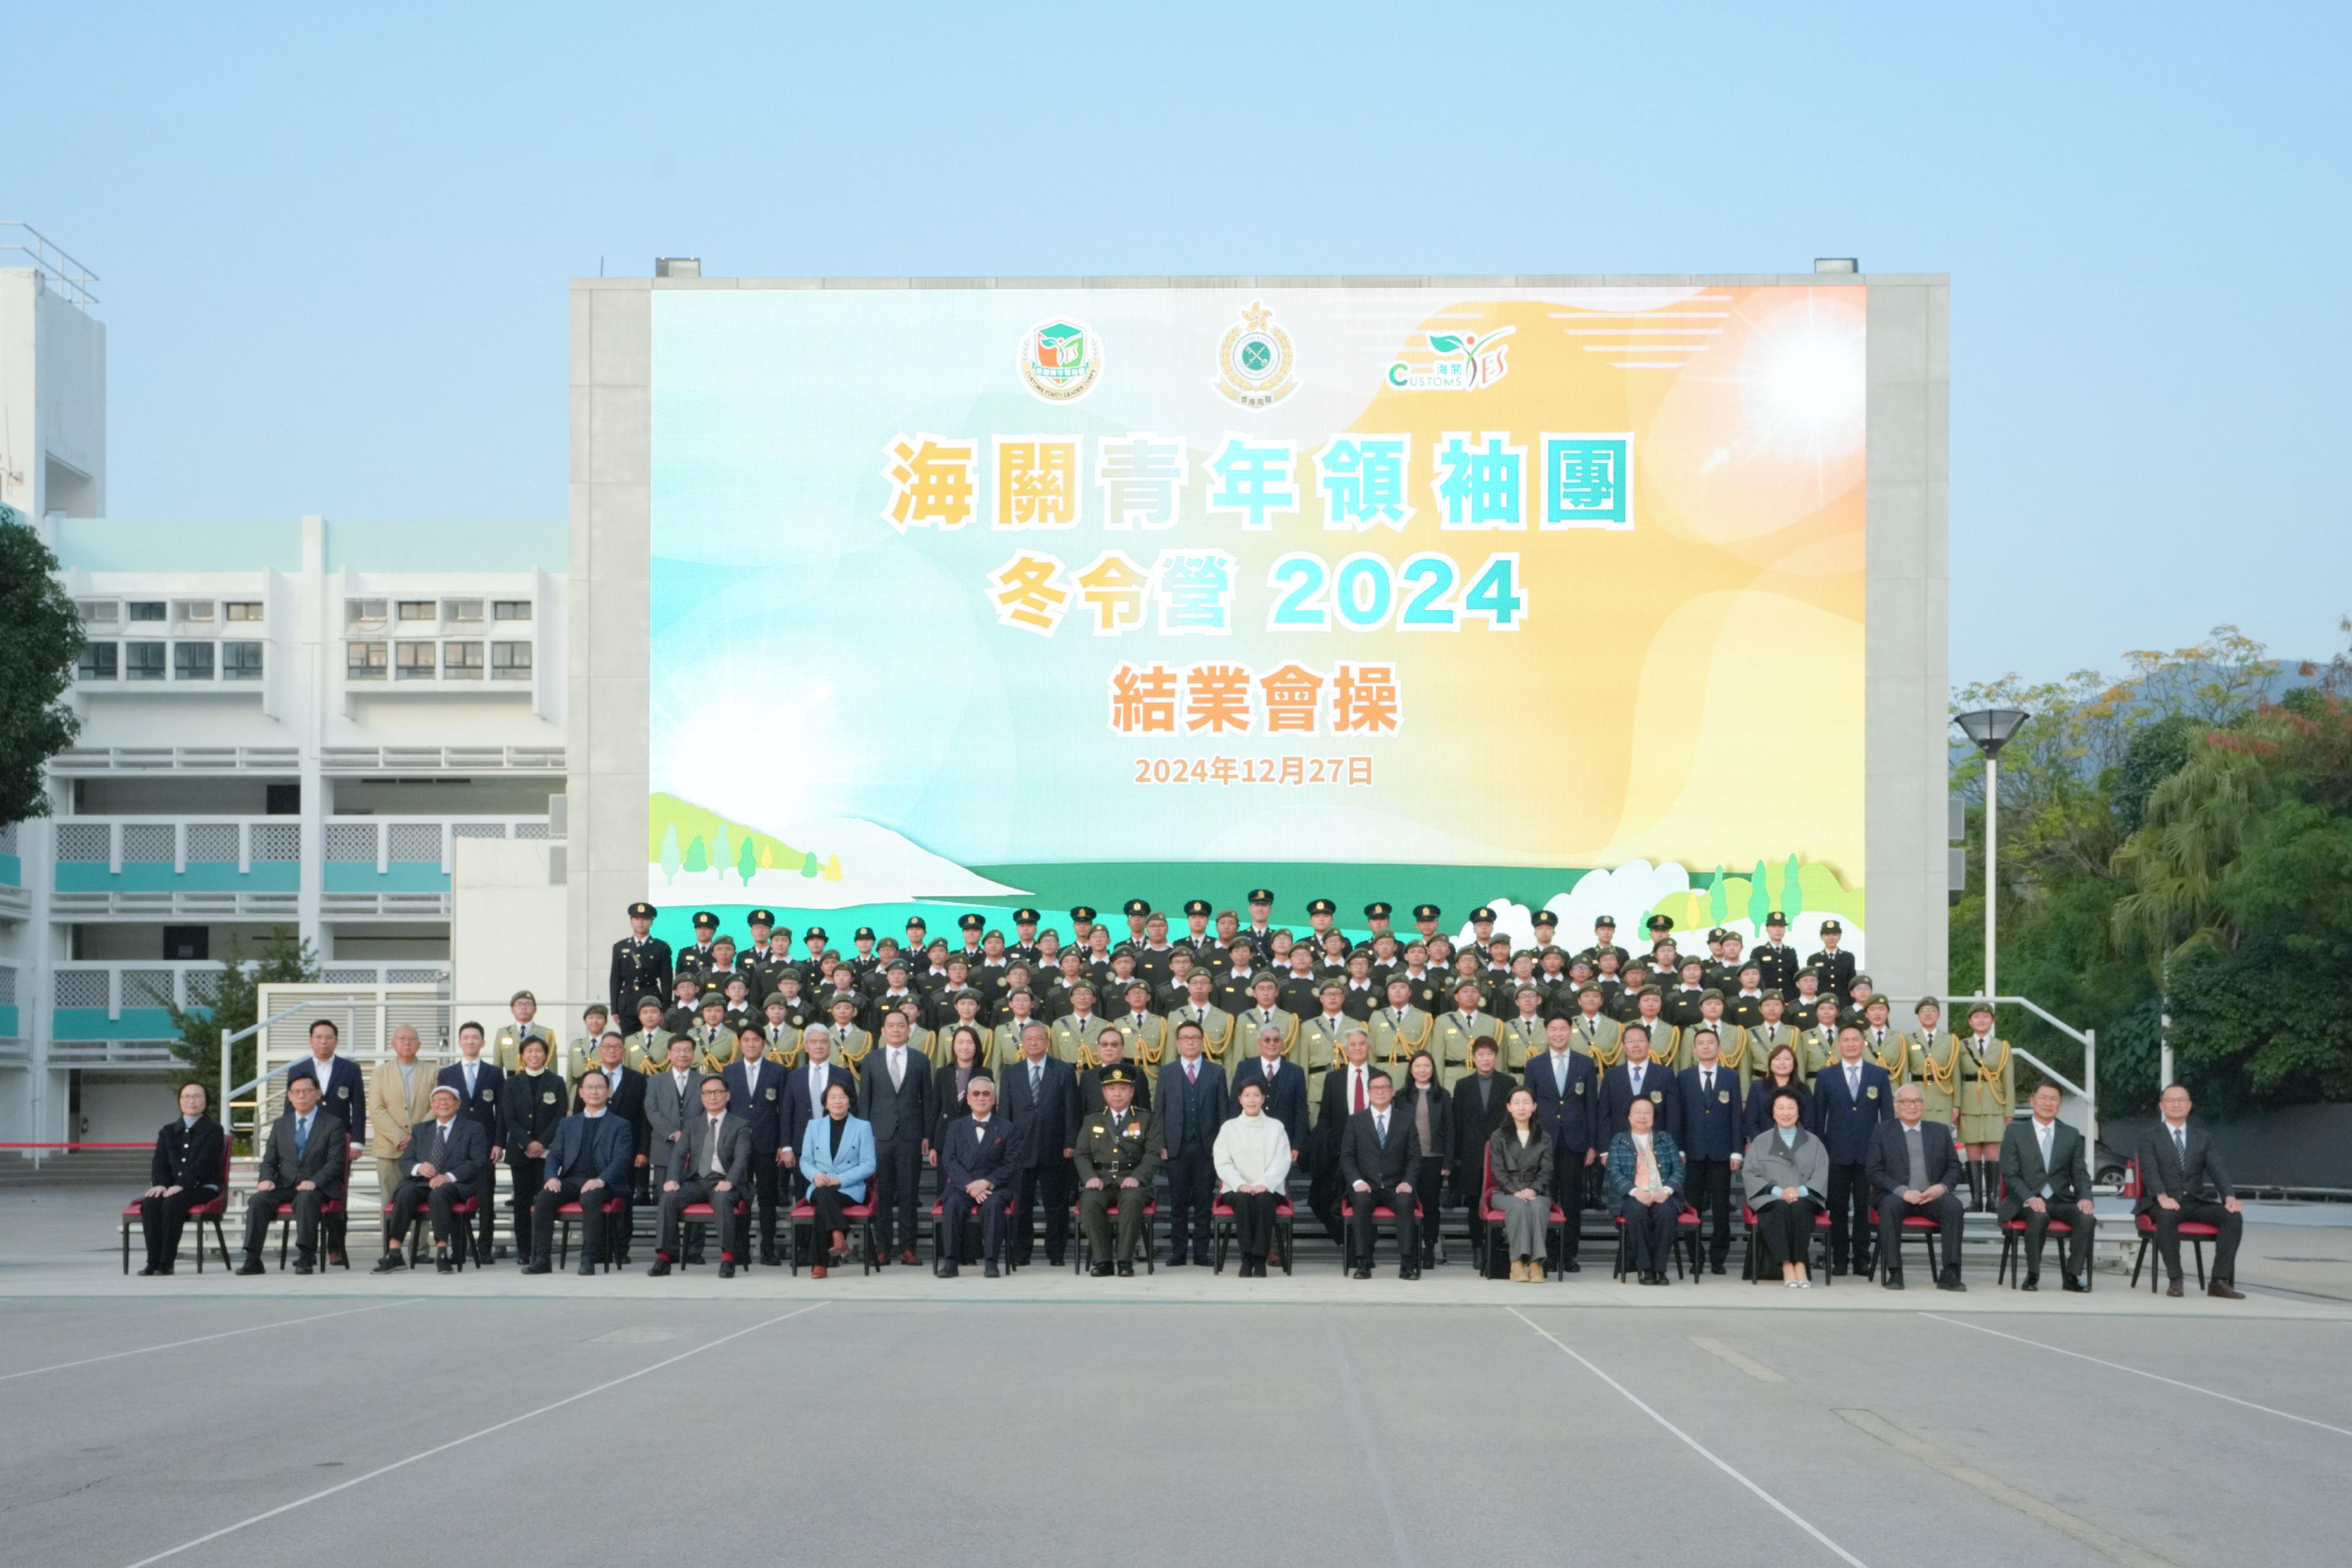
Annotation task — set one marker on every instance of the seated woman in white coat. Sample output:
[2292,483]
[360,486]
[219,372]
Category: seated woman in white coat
[1252,1160]
[837,1159]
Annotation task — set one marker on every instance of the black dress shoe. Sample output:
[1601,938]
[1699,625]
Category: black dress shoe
[1569,1266]
[251,1266]
[1410,1272]
[770,1260]
[338,1260]
[1715,1268]
[2079,1287]
[1893,1282]
[1202,1261]
[150,1271]
[727,1268]
[989,1270]
[2225,1291]
[587,1270]
[1125,1269]
[481,1257]
[1950,1282]
[2175,1290]
[539,1266]
[1100,1271]
[304,1266]
[1839,1270]
[661,1266]
[390,1263]
[1177,1261]
[1362,1274]
[445,1266]
[2032,1283]
[948,1270]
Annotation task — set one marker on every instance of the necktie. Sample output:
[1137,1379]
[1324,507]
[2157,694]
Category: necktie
[1356,1089]
[301,1135]
[1036,1078]
[2180,1142]
[1193,1070]
[440,1145]
[1706,1082]
[1380,1125]
[897,1069]
[716,1168]
[1636,1076]
[1854,1082]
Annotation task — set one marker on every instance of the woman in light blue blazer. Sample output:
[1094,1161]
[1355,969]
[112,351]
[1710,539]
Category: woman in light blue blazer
[836,1157]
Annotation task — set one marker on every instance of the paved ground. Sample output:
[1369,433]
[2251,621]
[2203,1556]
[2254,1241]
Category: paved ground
[860,1421]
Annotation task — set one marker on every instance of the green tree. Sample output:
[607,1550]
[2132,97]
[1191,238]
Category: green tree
[1760,900]
[670,859]
[696,857]
[722,849]
[36,659]
[747,862]
[282,958]
[809,865]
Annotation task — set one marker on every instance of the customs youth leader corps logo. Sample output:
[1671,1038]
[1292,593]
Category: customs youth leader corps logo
[1254,360]
[1060,361]
[1453,362]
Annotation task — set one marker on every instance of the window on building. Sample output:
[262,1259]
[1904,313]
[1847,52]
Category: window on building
[240,661]
[419,609]
[97,662]
[100,612]
[462,661]
[510,610]
[509,661]
[146,610]
[197,612]
[468,611]
[363,661]
[192,661]
[243,610]
[363,612]
[143,661]
[412,662]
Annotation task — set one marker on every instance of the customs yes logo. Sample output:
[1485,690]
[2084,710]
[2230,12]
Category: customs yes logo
[1060,361]
[1453,362]
[1254,361]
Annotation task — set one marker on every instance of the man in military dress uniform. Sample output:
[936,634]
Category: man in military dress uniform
[702,955]
[1775,960]
[1145,1030]
[1459,1028]
[1118,1154]
[593,1021]
[1604,940]
[641,964]
[1074,1032]
[1833,965]
[1399,1027]
[1196,939]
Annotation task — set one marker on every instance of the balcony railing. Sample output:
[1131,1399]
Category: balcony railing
[399,866]
[116,1015]
[177,865]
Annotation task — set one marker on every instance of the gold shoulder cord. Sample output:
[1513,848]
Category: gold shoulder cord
[1945,1077]
[1901,1063]
[1731,1062]
[1397,1038]
[1214,1050]
[1148,1053]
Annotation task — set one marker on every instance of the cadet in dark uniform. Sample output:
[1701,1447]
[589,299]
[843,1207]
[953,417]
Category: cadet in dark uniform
[535,1102]
[701,958]
[1118,1154]
[1024,949]
[1259,933]
[1604,940]
[1775,960]
[1833,964]
[1196,939]
[641,964]
[186,1172]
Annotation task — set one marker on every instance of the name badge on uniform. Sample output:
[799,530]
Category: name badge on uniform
[488,1095]
[1095,1131]
[771,1091]
[548,1098]
[1579,1086]
[1871,1093]
[1723,1096]
[1658,1096]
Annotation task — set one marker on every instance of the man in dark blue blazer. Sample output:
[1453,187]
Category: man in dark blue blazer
[1709,1108]
[1566,1087]
[1851,1097]
[1041,1099]
[588,1164]
[1191,1109]
[756,1091]
[481,1094]
[343,1088]
[979,1174]
[1635,1078]
[1915,1170]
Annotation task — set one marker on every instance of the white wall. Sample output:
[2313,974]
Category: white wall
[507,929]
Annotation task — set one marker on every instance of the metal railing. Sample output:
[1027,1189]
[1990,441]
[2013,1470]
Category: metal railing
[45,256]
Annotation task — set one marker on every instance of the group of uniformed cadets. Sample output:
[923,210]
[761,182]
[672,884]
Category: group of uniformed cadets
[711,1078]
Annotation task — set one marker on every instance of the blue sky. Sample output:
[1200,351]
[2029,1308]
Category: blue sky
[334,239]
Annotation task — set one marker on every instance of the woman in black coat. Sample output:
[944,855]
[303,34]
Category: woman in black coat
[967,1058]
[1423,1102]
[186,1174]
[1778,1077]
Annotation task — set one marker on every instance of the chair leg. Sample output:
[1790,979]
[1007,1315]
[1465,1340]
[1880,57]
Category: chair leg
[2139,1257]
[2198,1243]
[126,1241]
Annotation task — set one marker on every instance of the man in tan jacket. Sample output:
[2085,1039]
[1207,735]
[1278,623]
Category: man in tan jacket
[399,1095]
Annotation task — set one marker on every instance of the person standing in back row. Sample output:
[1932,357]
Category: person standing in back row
[895,1099]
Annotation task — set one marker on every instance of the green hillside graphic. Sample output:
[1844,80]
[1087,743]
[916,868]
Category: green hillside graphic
[683,836]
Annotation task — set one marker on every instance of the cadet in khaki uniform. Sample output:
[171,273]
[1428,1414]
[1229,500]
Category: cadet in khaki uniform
[1767,1036]
[1593,1031]
[1987,1085]
[1731,1041]
[1817,1047]
[1004,1044]
[649,1044]
[1932,1054]
[583,1045]
[1523,1031]
[1216,1024]
[780,1030]
[1075,1033]
[704,1033]
[506,1048]
[1319,1038]
[1148,1033]
[1457,1030]
[1266,1012]
[850,1044]
[1118,1154]
[1399,1029]
[1665,1039]
[1882,1045]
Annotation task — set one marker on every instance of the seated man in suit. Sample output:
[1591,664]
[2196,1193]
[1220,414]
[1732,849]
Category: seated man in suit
[480,1084]
[2182,1179]
[710,1163]
[301,1164]
[1117,1154]
[1915,1169]
[2045,1175]
[1110,1050]
[588,1163]
[1379,1152]
[979,1154]
[443,1163]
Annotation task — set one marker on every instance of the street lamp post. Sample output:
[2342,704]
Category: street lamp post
[1990,729]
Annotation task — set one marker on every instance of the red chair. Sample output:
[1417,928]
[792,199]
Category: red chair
[2012,1248]
[1222,1222]
[199,1213]
[1346,1213]
[568,1215]
[1078,1244]
[1918,1225]
[860,1215]
[1490,1229]
[331,1222]
[939,1221]
[464,1209]
[1685,1237]
[2193,1231]
[1818,1272]
[696,1216]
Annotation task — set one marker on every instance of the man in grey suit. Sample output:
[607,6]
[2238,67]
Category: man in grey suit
[672,1101]
[442,1167]
[1914,1170]
[2182,1179]
[1191,1109]
[711,1163]
[2045,1175]
[301,1164]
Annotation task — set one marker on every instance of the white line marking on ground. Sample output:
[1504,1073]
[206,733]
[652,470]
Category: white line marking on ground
[1352,1395]
[470,1436]
[1722,1351]
[2152,1377]
[200,1338]
[2113,1547]
[1782,1509]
